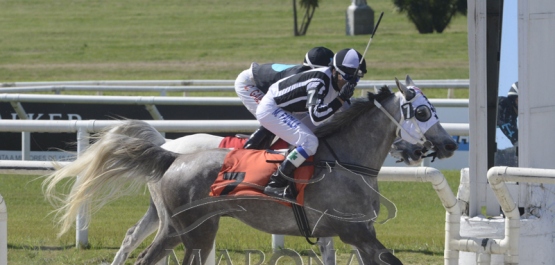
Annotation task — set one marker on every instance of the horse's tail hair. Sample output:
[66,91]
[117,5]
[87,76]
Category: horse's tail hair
[117,164]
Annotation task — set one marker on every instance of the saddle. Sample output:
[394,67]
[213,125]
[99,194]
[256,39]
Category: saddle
[247,172]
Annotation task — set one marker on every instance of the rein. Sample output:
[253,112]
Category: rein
[362,170]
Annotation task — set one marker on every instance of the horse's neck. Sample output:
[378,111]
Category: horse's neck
[367,141]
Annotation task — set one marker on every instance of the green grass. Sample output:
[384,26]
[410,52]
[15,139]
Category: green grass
[140,39]
[416,235]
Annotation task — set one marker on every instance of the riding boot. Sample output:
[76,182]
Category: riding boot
[261,139]
[279,186]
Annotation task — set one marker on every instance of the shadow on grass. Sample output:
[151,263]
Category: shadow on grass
[424,252]
[28,247]
[59,248]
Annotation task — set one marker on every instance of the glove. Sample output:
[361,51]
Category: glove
[347,91]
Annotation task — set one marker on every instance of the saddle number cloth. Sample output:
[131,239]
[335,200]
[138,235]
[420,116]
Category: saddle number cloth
[238,143]
[247,172]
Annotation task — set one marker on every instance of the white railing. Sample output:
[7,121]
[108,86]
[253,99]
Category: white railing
[158,100]
[171,126]
[186,85]
[3,232]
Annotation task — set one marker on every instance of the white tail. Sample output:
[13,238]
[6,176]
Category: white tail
[117,164]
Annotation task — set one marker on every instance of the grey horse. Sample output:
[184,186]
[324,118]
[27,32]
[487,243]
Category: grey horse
[411,154]
[344,202]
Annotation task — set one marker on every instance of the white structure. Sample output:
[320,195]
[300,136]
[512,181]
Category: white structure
[3,232]
[359,18]
[536,35]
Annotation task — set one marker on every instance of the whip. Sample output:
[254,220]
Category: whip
[369,41]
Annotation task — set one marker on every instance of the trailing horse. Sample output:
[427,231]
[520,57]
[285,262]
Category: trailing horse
[343,203]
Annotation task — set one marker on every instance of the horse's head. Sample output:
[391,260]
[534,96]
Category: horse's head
[419,129]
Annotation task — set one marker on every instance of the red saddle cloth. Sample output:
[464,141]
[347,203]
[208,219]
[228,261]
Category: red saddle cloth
[247,172]
[238,143]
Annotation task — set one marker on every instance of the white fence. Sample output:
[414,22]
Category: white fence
[164,86]
[3,232]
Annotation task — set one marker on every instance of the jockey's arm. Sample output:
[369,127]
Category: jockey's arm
[321,110]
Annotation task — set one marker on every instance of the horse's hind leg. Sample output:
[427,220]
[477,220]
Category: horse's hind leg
[363,237]
[199,242]
[162,245]
[137,233]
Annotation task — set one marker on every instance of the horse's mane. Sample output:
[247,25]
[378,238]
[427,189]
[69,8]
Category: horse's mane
[358,106]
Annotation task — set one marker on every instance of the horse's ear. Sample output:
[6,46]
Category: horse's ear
[376,90]
[401,87]
[409,81]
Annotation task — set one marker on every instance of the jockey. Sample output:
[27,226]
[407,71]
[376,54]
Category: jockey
[316,94]
[507,114]
[253,83]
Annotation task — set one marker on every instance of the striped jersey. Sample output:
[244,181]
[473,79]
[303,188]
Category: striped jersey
[291,94]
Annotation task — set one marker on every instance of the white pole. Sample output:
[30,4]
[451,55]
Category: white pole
[278,242]
[25,146]
[3,232]
[211,260]
[81,233]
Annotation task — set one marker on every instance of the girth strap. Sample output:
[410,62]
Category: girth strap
[300,217]
[302,222]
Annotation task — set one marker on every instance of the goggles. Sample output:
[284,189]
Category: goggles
[353,79]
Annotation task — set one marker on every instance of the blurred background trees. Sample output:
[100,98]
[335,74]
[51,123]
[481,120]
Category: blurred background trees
[309,6]
[431,15]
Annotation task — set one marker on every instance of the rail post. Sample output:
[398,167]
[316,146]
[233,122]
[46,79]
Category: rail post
[3,232]
[81,229]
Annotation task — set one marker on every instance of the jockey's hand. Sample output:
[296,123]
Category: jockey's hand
[347,91]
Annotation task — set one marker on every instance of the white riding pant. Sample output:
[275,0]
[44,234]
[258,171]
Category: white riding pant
[246,89]
[293,128]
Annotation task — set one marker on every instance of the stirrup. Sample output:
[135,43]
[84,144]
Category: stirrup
[280,192]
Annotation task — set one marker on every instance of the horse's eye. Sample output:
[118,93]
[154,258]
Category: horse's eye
[410,94]
[423,113]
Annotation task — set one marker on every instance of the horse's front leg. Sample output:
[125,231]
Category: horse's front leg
[372,251]
[325,244]
[137,233]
